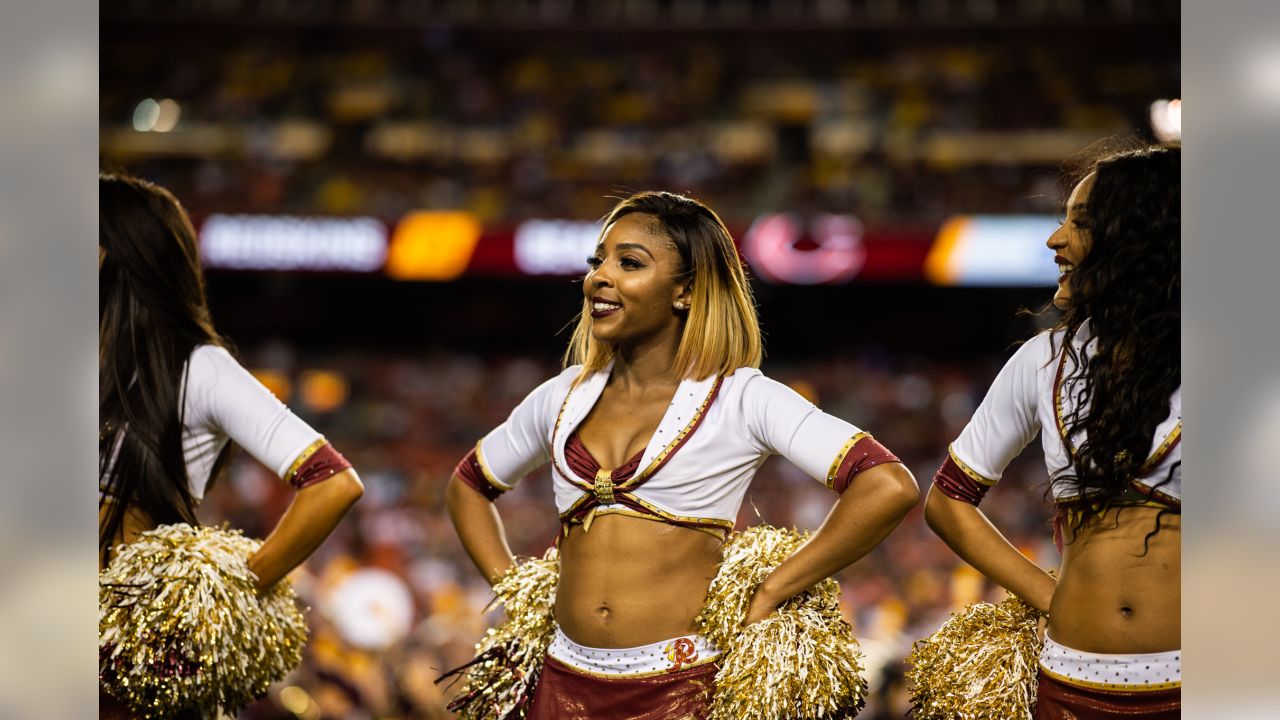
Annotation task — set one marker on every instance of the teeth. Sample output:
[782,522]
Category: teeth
[1065,268]
[603,306]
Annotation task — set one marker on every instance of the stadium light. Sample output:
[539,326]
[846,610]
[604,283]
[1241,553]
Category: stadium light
[1166,120]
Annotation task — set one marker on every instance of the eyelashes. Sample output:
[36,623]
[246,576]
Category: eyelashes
[627,263]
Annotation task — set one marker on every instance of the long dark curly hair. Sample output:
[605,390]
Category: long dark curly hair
[1129,287]
[152,313]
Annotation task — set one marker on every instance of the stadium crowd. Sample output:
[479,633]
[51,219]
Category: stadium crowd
[892,126]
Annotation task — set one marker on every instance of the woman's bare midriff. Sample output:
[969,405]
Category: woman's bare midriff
[1117,592]
[632,581]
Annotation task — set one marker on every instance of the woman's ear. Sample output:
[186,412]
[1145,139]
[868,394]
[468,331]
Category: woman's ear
[684,296]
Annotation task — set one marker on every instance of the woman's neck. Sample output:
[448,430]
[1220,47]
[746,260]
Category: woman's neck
[646,364]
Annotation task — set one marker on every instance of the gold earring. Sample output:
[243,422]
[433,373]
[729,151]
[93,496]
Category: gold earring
[681,305]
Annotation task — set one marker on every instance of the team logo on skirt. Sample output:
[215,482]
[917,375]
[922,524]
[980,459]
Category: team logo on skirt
[681,652]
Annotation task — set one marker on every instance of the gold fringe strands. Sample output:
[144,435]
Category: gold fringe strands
[499,682]
[181,627]
[800,663]
[980,665]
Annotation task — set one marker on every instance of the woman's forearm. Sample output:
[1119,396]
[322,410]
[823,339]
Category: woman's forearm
[972,536]
[479,528]
[315,511]
[864,516]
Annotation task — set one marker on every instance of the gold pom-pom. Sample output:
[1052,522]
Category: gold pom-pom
[182,628]
[980,665]
[801,662]
[499,682]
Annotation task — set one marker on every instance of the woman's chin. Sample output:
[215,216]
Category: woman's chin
[602,337]
[1061,300]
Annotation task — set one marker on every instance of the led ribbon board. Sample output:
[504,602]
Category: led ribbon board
[286,242]
[555,247]
[993,250]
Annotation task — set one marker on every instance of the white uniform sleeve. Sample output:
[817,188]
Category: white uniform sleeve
[522,443]
[225,396]
[781,421]
[1006,420]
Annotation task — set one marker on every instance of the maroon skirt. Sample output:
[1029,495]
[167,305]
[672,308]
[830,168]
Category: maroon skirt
[1057,700]
[565,693]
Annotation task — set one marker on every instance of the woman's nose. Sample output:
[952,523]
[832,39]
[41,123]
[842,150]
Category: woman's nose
[1056,240]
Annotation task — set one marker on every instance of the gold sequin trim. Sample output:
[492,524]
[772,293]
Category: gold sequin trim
[835,464]
[973,474]
[1134,688]
[303,458]
[719,522]
[1163,451]
[679,438]
[719,532]
[727,524]
[488,474]
[1152,498]
[650,673]
[1158,499]
[555,430]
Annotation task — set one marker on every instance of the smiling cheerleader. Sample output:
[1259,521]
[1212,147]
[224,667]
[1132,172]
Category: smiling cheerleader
[654,431]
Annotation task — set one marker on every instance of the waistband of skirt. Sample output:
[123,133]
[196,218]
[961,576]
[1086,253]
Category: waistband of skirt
[1130,673]
[660,658]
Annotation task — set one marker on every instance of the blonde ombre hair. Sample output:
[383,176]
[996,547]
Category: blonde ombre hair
[721,331]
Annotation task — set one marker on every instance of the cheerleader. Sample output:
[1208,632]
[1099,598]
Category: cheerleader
[172,397]
[653,432]
[1103,389]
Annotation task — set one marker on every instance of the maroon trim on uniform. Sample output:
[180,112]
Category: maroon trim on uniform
[585,465]
[955,484]
[864,455]
[468,470]
[322,465]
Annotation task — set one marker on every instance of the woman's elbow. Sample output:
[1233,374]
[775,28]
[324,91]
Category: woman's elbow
[346,487]
[902,492]
[939,511]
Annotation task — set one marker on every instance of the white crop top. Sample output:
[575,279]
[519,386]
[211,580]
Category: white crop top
[223,401]
[1034,392]
[698,463]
